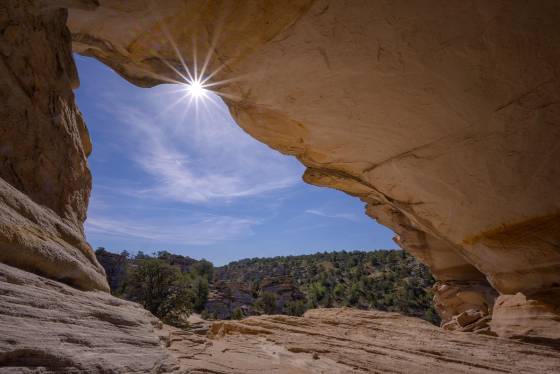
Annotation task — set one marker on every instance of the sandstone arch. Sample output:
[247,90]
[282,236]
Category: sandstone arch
[441,116]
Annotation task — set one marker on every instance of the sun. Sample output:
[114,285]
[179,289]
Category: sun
[196,89]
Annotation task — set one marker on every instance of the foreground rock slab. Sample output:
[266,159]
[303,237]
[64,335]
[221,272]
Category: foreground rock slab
[49,327]
[352,341]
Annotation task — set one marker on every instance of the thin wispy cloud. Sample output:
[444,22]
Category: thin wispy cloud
[168,177]
[182,161]
[194,231]
[199,157]
[317,212]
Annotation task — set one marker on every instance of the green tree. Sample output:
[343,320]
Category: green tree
[201,293]
[339,291]
[162,289]
[296,308]
[317,293]
[237,314]
[266,303]
[204,268]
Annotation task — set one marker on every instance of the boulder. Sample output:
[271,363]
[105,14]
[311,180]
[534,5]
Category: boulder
[454,298]
[468,317]
[532,319]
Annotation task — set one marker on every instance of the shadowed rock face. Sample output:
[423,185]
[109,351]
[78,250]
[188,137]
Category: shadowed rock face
[44,177]
[442,116]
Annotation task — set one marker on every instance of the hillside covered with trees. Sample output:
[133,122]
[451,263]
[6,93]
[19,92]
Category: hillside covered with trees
[172,286]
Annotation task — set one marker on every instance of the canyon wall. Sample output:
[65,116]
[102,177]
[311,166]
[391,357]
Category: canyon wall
[441,116]
[60,319]
[44,178]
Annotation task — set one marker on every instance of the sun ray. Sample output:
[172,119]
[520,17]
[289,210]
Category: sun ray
[216,71]
[195,66]
[210,52]
[177,52]
[228,96]
[196,87]
[226,81]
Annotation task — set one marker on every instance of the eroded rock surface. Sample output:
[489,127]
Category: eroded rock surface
[352,341]
[442,116]
[44,178]
[49,327]
[533,319]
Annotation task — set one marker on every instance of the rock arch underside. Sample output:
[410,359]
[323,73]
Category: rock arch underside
[443,117]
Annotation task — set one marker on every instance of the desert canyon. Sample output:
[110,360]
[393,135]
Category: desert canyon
[443,117]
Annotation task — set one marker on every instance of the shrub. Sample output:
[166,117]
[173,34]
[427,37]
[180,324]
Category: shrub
[237,314]
[296,308]
[266,303]
[162,289]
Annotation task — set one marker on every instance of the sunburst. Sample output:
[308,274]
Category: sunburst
[196,89]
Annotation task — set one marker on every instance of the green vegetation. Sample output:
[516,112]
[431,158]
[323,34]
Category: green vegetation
[383,280]
[237,314]
[266,303]
[162,289]
[172,286]
[169,286]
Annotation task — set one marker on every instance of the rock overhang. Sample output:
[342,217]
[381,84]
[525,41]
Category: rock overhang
[438,115]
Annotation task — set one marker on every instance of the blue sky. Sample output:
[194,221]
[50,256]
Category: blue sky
[167,176]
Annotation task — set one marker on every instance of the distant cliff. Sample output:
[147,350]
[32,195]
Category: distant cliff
[385,280]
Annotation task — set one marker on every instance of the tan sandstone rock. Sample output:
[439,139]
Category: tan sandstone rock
[531,319]
[440,115]
[352,341]
[454,298]
[49,327]
[44,178]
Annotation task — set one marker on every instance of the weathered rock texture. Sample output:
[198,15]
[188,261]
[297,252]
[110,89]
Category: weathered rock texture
[351,341]
[442,116]
[44,178]
[47,326]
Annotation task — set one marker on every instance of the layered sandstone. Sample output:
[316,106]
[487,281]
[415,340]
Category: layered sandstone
[49,327]
[49,321]
[44,178]
[440,115]
[351,341]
